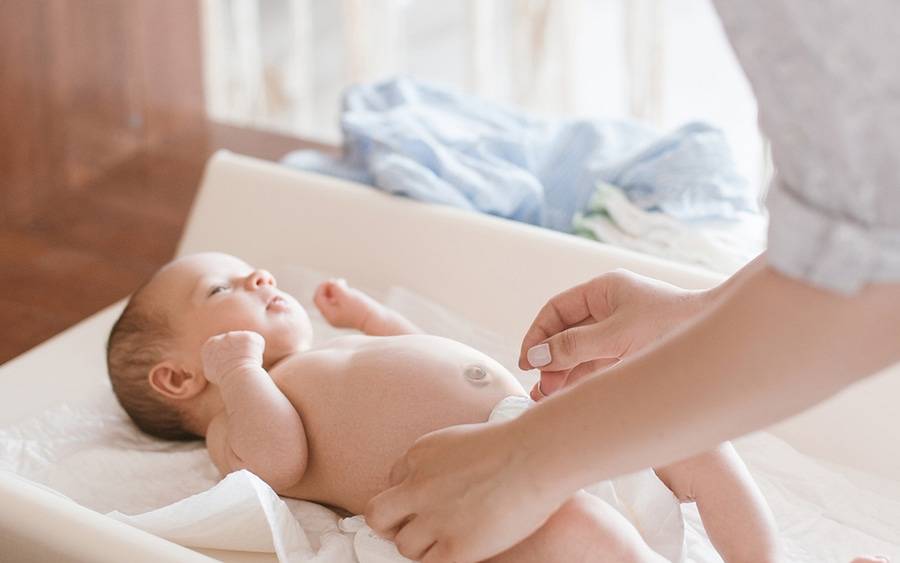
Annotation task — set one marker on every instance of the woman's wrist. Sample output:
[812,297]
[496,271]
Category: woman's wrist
[546,468]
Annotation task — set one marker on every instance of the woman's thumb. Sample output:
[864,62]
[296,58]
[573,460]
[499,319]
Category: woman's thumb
[568,348]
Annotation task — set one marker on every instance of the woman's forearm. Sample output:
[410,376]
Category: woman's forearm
[750,268]
[767,348]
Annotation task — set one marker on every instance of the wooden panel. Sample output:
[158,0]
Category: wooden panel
[104,139]
[24,153]
[86,85]
[170,60]
[91,85]
[92,246]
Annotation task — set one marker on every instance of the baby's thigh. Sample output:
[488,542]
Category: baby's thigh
[583,529]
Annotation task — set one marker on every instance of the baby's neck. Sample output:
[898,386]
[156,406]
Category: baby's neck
[204,409]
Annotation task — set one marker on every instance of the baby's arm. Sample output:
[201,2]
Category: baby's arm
[348,307]
[734,512]
[259,430]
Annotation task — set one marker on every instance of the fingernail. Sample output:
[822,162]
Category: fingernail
[539,356]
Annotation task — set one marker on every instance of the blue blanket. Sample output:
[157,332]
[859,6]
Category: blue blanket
[436,145]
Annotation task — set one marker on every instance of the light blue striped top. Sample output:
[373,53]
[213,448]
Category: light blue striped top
[826,74]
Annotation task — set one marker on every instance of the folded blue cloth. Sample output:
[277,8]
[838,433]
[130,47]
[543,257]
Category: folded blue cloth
[436,145]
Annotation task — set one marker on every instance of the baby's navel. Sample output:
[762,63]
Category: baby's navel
[476,375]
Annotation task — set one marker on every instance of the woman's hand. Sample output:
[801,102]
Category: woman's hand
[597,323]
[465,493]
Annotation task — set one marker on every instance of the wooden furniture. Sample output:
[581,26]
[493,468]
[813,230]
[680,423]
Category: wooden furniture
[104,141]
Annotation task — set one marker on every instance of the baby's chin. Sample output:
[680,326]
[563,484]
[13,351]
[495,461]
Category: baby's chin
[291,333]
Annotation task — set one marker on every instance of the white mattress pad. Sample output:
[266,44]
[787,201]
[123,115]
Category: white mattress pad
[86,449]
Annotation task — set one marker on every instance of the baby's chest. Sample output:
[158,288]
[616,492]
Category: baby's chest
[374,403]
[387,394]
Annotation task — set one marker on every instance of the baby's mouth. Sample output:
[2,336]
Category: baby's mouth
[276,302]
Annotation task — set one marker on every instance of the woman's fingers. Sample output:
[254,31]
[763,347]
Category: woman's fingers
[550,382]
[399,471]
[564,310]
[581,305]
[589,368]
[553,381]
[468,495]
[573,346]
[528,361]
[536,392]
[414,539]
[386,512]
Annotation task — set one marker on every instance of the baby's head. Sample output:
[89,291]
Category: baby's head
[153,353]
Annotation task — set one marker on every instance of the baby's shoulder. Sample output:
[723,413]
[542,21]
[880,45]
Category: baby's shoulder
[341,342]
[327,353]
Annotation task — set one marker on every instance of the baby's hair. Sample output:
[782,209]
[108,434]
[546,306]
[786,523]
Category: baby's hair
[137,342]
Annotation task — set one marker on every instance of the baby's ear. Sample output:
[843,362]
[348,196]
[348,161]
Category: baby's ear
[175,382]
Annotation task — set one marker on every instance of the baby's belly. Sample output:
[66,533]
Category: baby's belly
[365,400]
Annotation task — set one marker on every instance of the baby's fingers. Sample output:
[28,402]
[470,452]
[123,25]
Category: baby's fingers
[330,290]
[329,295]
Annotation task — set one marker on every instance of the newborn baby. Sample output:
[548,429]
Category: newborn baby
[210,347]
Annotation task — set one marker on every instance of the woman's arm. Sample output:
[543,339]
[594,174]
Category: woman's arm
[768,348]
[591,326]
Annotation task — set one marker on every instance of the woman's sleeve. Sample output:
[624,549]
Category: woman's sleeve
[826,74]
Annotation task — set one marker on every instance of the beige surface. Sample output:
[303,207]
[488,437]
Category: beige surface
[38,525]
[494,272]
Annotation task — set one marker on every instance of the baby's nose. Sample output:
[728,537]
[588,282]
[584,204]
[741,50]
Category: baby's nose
[260,278]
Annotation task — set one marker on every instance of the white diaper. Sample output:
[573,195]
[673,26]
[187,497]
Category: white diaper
[640,497]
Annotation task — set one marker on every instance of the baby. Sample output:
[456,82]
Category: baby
[210,347]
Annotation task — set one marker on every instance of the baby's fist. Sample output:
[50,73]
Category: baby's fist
[227,353]
[343,306]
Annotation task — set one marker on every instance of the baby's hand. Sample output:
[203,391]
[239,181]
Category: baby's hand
[230,352]
[343,306]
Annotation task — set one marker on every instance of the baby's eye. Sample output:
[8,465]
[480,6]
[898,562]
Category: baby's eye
[216,289]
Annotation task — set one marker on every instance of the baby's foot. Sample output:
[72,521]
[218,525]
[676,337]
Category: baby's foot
[343,306]
[871,559]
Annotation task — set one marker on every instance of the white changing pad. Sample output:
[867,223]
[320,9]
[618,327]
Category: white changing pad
[86,449]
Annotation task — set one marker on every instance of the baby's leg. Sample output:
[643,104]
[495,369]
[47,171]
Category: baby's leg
[734,512]
[584,529]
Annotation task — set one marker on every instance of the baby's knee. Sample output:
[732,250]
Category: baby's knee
[588,526]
